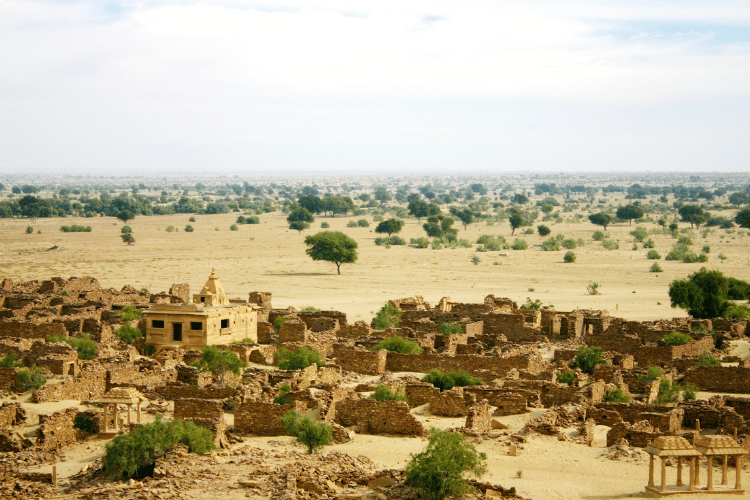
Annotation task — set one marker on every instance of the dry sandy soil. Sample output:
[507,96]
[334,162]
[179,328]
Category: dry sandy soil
[270,257]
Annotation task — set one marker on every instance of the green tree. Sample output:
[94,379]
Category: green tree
[465,215]
[388,315]
[10,361]
[85,347]
[128,238]
[738,199]
[398,344]
[389,226]
[543,230]
[219,361]
[311,203]
[300,214]
[314,435]
[332,246]
[520,198]
[516,221]
[31,378]
[299,359]
[629,212]
[125,216]
[128,333]
[439,226]
[142,446]
[743,218]
[704,294]
[299,226]
[693,214]
[600,219]
[382,195]
[418,209]
[438,472]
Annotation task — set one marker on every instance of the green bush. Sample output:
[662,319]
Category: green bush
[639,233]
[189,228]
[385,393]
[390,240]
[10,361]
[314,435]
[551,245]
[234,227]
[653,255]
[325,225]
[246,341]
[652,373]
[678,252]
[649,243]
[449,379]
[519,244]
[398,344]
[689,392]
[598,236]
[388,315]
[191,219]
[492,244]
[171,229]
[149,349]
[706,249]
[218,361]
[543,230]
[128,333]
[438,472]
[84,423]
[363,223]
[141,447]
[593,289]
[706,359]
[616,396]
[126,229]
[283,398]
[278,321]
[420,242]
[85,347]
[352,223]
[29,378]
[736,311]
[610,245]
[299,359]
[655,268]
[587,358]
[669,392]
[570,244]
[677,338]
[566,377]
[253,219]
[450,329]
[569,257]
[75,228]
[29,229]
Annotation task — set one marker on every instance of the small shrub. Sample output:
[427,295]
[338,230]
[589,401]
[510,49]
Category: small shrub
[593,289]
[234,227]
[191,219]
[570,244]
[543,230]
[616,396]
[126,229]
[669,392]
[130,313]
[436,244]
[569,257]
[598,236]
[677,338]
[653,255]
[325,225]
[245,341]
[587,358]
[314,435]
[684,240]
[149,349]
[450,329]
[75,228]
[85,347]
[438,472]
[566,377]
[419,242]
[84,423]
[655,268]
[706,359]
[722,256]
[189,228]
[171,229]
[475,260]
[283,398]
[398,344]
[551,245]
[706,249]
[690,258]
[10,361]
[388,315]
[449,379]
[128,333]
[528,231]
[363,223]
[639,233]
[534,306]
[299,359]
[31,378]
[610,245]
[649,244]
[678,252]
[352,223]
[652,373]
[519,244]
[689,391]
[384,393]
[390,240]
[29,229]
[218,361]
[253,219]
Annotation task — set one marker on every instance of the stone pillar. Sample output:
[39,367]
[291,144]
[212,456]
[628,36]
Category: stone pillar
[710,474]
[129,405]
[679,471]
[138,411]
[105,417]
[117,418]
[663,487]
[697,471]
[650,471]
[724,480]
[692,461]
[738,465]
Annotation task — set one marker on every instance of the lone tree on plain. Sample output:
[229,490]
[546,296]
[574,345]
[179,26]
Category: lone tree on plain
[438,472]
[128,238]
[629,212]
[705,294]
[125,216]
[300,214]
[600,219]
[299,225]
[390,226]
[743,218]
[333,246]
[440,225]
[418,208]
[693,214]
[516,221]
[465,215]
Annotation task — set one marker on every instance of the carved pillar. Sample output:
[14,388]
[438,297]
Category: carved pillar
[710,474]
[663,487]
[738,466]
[692,462]
[724,480]
[650,471]
[679,471]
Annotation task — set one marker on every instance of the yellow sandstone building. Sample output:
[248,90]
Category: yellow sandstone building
[210,320]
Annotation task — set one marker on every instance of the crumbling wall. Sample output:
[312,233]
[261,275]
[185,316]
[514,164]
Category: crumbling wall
[479,418]
[27,330]
[293,331]
[366,362]
[420,393]
[451,403]
[262,419]
[56,430]
[378,417]
[11,414]
[732,379]
[90,384]
[498,365]
[177,390]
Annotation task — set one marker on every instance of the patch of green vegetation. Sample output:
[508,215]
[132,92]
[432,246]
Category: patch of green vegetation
[385,393]
[449,379]
[398,344]
[299,359]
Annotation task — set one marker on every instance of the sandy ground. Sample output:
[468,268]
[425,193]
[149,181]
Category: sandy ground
[270,257]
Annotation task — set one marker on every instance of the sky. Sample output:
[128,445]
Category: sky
[379,87]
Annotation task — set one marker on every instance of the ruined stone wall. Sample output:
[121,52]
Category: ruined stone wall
[710,416]
[357,330]
[378,417]
[731,379]
[192,408]
[365,362]
[735,327]
[177,390]
[27,330]
[90,384]
[11,414]
[193,376]
[740,405]
[141,378]
[9,378]
[56,430]
[265,332]
[479,418]
[508,401]
[293,331]
[451,403]
[321,321]
[420,393]
[498,365]
[513,326]
[262,419]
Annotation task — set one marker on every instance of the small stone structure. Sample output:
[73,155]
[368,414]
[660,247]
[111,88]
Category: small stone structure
[111,400]
[672,446]
[724,447]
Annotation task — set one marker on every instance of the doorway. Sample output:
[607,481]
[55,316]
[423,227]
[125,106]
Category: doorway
[177,332]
